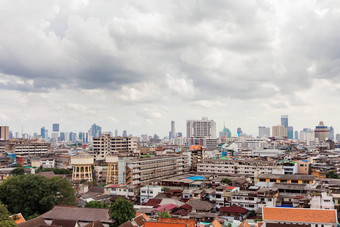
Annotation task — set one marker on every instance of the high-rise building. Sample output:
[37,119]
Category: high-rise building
[331,132]
[173,130]
[43,133]
[201,128]
[290,132]
[239,132]
[337,137]
[55,127]
[124,133]
[95,131]
[116,133]
[284,121]
[106,144]
[279,131]
[264,132]
[296,135]
[62,136]
[4,133]
[10,134]
[321,132]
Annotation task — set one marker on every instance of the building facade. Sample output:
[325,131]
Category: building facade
[201,128]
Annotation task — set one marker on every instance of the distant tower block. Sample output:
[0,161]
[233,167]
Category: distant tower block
[112,169]
[82,167]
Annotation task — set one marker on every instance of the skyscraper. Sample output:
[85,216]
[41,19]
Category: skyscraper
[173,131]
[279,131]
[55,127]
[321,132]
[116,133]
[284,121]
[331,132]
[239,132]
[43,133]
[201,128]
[124,133]
[264,132]
[4,133]
[290,132]
[95,131]
[296,135]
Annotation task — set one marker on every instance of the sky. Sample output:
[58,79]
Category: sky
[137,65]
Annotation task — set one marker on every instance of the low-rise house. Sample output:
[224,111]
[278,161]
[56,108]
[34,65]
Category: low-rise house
[246,199]
[234,211]
[128,191]
[321,201]
[201,206]
[278,216]
[198,194]
[149,192]
[267,197]
[187,194]
[224,194]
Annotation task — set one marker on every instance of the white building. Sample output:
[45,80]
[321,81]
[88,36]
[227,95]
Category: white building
[264,132]
[149,192]
[201,128]
[322,201]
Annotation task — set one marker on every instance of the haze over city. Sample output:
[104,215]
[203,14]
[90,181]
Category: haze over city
[137,66]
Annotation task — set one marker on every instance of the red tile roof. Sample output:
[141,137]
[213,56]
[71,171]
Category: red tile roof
[186,207]
[299,215]
[153,202]
[229,187]
[18,218]
[159,224]
[234,209]
[167,207]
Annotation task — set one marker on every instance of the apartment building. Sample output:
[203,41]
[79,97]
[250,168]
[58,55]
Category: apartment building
[25,147]
[223,166]
[145,170]
[268,180]
[107,144]
[224,195]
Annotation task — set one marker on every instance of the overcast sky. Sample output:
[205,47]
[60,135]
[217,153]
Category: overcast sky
[137,65]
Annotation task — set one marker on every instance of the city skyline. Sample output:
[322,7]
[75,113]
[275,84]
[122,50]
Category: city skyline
[136,67]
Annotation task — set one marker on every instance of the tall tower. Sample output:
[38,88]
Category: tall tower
[284,121]
[82,167]
[4,133]
[112,169]
[173,130]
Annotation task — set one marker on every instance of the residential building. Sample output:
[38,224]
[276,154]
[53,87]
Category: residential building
[145,170]
[268,180]
[290,132]
[224,195]
[279,131]
[106,144]
[201,128]
[149,192]
[246,167]
[128,191]
[321,200]
[25,147]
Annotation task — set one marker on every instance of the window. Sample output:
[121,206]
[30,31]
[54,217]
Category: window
[272,180]
[262,180]
[295,181]
[283,181]
[305,181]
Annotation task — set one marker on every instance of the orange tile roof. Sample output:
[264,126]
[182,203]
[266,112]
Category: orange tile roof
[299,215]
[144,215]
[20,218]
[244,224]
[188,222]
[215,223]
[160,224]
[195,147]
[259,224]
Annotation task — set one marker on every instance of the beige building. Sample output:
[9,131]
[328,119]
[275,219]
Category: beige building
[223,166]
[4,133]
[279,131]
[106,144]
[82,167]
[25,147]
[145,170]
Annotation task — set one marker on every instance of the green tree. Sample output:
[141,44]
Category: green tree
[163,214]
[5,220]
[18,171]
[226,181]
[96,204]
[332,174]
[122,211]
[35,194]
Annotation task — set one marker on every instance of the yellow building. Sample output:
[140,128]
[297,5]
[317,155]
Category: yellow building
[285,178]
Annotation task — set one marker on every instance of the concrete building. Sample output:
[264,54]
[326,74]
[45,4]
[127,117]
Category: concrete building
[25,147]
[279,131]
[82,167]
[284,121]
[246,167]
[264,132]
[201,128]
[321,201]
[149,192]
[321,132]
[146,170]
[106,144]
[173,130]
[4,133]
